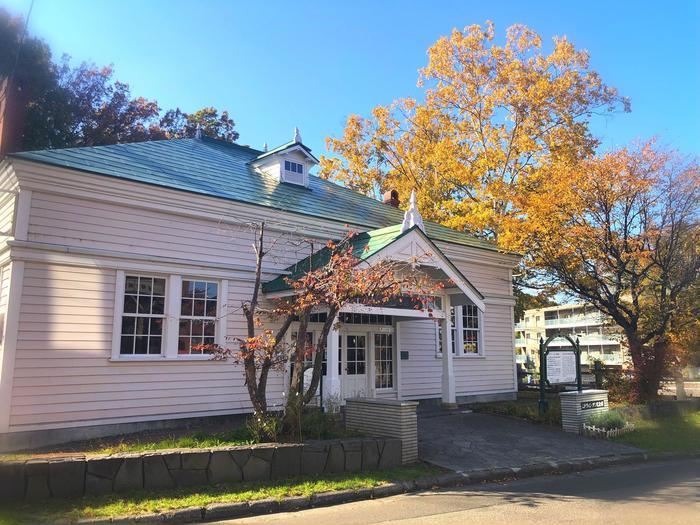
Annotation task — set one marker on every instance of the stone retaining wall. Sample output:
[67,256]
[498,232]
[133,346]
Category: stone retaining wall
[386,417]
[38,479]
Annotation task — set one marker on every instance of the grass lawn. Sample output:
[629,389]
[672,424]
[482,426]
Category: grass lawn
[158,501]
[678,433]
[315,425]
[237,436]
[143,443]
[673,433]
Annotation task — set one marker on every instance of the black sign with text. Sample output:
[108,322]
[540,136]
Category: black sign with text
[588,405]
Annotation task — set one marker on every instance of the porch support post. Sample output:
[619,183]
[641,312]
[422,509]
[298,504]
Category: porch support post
[332,387]
[448,377]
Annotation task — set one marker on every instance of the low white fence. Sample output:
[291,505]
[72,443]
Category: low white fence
[593,431]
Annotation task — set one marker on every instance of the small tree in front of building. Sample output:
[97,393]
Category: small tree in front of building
[337,276]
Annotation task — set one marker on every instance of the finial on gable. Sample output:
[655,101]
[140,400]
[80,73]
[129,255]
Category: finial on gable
[412,217]
[198,132]
[265,146]
[297,135]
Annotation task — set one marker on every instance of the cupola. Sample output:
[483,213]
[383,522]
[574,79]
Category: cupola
[289,163]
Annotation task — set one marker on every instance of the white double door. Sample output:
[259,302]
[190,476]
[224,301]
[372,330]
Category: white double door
[363,355]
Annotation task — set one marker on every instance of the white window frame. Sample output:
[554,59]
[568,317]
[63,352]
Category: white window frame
[284,171]
[200,317]
[171,326]
[303,168]
[391,388]
[458,330]
[119,314]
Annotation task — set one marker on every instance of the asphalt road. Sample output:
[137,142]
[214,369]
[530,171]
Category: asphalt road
[655,493]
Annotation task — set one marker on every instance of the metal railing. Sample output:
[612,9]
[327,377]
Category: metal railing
[576,320]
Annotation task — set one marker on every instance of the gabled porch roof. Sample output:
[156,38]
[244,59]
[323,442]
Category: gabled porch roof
[389,242]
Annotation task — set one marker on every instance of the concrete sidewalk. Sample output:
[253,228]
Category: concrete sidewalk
[463,441]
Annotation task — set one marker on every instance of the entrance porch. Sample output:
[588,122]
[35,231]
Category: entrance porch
[366,352]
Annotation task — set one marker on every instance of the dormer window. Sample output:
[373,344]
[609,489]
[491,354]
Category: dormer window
[293,172]
[293,167]
[289,163]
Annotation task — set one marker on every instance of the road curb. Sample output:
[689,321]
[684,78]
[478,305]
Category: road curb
[221,511]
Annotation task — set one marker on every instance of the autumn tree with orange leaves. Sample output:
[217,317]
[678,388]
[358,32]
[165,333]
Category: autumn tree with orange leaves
[336,277]
[629,245]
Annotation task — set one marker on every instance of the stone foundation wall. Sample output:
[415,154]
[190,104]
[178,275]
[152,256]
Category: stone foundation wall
[39,479]
[386,417]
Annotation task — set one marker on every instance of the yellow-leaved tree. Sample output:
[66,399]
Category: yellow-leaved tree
[494,122]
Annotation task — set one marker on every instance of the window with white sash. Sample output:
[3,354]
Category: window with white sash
[167,316]
[466,331]
[143,315]
[198,314]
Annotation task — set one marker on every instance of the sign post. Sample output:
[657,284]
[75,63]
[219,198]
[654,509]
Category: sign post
[562,365]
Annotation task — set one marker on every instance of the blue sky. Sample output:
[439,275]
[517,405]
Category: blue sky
[276,65]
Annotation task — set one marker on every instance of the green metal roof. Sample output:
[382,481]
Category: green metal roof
[221,169]
[364,245]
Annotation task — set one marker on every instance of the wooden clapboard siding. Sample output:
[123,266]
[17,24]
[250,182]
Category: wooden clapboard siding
[493,372]
[488,275]
[63,375]
[5,273]
[421,374]
[7,210]
[72,221]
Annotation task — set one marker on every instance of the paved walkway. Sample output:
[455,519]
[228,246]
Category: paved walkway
[463,441]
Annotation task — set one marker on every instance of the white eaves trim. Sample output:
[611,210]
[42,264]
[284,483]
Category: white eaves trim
[416,244]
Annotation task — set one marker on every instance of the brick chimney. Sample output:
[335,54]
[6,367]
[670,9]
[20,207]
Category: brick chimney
[13,109]
[392,198]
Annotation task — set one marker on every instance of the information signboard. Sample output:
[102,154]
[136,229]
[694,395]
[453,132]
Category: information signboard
[561,367]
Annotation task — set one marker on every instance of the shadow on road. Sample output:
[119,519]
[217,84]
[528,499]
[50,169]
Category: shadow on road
[646,482]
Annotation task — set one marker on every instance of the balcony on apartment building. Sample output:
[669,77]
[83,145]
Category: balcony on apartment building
[586,340]
[577,320]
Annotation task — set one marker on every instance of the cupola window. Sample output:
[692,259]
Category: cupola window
[293,172]
[294,167]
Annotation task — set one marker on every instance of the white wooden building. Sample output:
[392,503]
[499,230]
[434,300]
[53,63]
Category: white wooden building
[116,260]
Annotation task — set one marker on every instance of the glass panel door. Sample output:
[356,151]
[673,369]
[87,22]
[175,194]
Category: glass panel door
[354,369]
[383,361]
[357,348]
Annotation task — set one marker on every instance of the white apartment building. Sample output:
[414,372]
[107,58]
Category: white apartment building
[595,331]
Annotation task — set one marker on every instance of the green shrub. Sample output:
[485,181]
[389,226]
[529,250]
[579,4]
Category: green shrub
[607,420]
[619,385]
[264,427]
[316,424]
